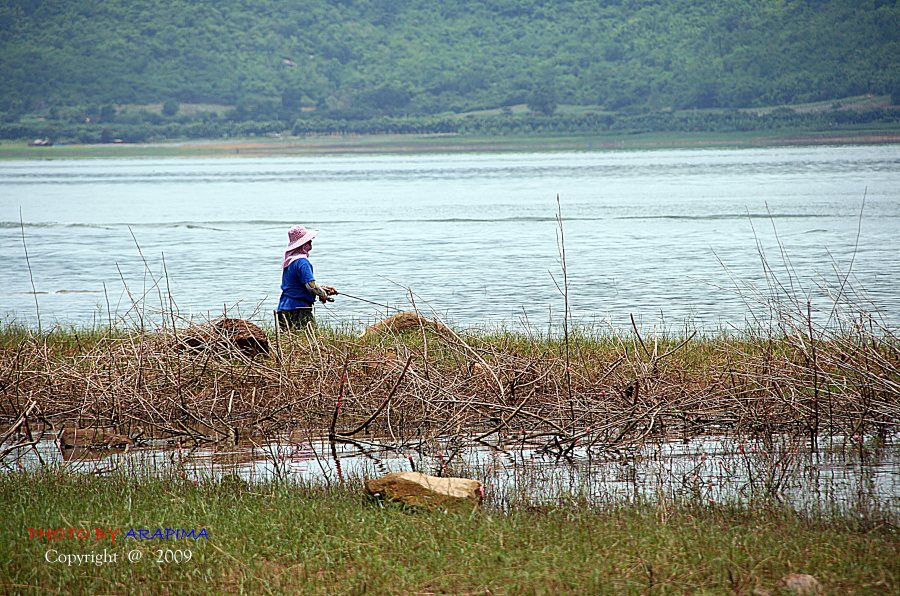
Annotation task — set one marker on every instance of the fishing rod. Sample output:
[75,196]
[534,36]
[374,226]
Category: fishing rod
[368,301]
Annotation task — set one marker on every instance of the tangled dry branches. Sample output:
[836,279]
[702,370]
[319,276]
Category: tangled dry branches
[617,391]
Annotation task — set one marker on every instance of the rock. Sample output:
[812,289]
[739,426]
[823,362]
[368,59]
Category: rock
[226,335]
[92,438]
[420,490]
[801,583]
[405,321]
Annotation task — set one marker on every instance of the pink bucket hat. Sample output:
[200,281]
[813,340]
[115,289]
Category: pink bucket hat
[298,236]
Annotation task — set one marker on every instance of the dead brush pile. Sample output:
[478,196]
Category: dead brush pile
[616,391]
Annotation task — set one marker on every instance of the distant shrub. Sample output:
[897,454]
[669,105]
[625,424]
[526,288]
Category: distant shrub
[170,108]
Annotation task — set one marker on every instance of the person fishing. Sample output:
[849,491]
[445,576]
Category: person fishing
[299,289]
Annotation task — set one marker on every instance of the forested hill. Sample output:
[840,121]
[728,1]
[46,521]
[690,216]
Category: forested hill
[355,60]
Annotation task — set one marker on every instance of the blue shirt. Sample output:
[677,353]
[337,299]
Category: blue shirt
[294,278]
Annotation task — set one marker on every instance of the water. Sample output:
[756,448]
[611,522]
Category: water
[663,235]
[712,469]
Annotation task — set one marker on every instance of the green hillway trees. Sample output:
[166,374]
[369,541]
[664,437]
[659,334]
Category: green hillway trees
[75,68]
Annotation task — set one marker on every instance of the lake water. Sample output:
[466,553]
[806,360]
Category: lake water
[717,469]
[666,236]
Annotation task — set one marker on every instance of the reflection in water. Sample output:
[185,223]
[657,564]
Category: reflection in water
[845,475]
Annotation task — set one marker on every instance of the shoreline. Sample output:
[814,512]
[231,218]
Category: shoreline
[438,393]
[402,144]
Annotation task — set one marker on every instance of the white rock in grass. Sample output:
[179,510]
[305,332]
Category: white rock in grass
[421,490]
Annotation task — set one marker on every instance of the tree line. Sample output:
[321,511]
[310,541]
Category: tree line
[327,65]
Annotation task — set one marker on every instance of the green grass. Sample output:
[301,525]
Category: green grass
[283,539]
[291,539]
[407,144]
[589,347]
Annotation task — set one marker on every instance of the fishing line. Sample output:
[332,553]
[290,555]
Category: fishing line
[369,301]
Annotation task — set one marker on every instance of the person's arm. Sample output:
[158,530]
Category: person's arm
[309,281]
[323,292]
